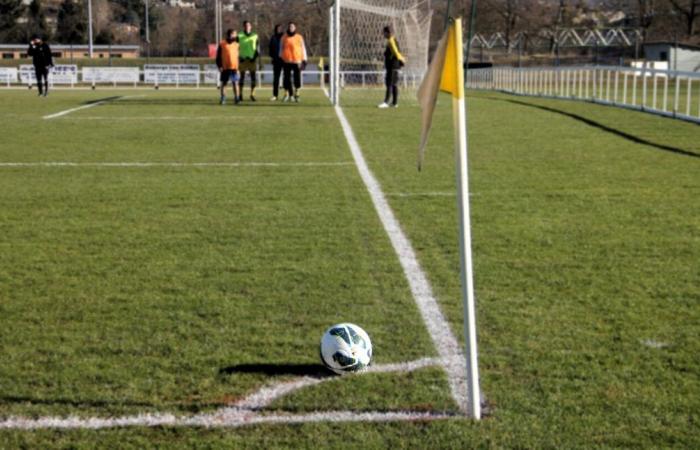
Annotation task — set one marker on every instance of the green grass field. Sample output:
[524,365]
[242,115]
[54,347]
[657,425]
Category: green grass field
[149,288]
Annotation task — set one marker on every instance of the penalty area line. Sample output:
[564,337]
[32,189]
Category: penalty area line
[453,359]
[247,411]
[232,419]
[176,164]
[89,105]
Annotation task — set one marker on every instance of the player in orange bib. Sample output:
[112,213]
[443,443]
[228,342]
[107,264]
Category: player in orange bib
[293,54]
[227,62]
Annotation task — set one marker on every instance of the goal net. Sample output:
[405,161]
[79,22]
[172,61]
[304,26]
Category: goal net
[357,44]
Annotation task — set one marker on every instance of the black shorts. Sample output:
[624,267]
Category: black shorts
[229,75]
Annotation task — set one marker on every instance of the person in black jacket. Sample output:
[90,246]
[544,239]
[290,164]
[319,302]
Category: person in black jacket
[393,62]
[277,63]
[42,61]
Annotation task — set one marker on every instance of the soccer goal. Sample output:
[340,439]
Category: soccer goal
[357,46]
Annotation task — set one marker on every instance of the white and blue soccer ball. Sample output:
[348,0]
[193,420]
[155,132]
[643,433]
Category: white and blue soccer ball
[345,347]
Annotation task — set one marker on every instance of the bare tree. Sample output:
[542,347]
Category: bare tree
[689,10]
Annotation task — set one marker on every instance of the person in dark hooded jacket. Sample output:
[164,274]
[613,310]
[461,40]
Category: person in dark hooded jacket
[40,52]
[277,63]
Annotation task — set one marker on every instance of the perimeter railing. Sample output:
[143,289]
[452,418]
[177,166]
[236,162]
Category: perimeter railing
[178,76]
[668,93]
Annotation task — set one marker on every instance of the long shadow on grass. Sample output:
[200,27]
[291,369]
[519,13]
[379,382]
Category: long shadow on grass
[309,370]
[600,126]
[106,99]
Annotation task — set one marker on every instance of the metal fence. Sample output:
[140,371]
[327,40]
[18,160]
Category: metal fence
[180,76]
[154,76]
[665,92]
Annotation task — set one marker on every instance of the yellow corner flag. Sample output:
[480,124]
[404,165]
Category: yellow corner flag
[445,73]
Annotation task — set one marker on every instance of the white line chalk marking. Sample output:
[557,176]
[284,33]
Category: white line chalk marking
[175,164]
[443,339]
[232,117]
[232,418]
[244,412]
[652,343]
[89,105]
[420,194]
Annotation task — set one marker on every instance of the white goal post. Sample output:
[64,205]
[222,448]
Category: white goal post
[356,44]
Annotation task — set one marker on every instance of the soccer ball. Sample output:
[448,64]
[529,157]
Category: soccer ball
[345,347]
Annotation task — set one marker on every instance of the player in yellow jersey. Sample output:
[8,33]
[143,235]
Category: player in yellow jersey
[249,51]
[393,62]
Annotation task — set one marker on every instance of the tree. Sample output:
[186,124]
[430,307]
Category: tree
[71,27]
[10,12]
[102,21]
[129,11]
[510,12]
[36,21]
[689,10]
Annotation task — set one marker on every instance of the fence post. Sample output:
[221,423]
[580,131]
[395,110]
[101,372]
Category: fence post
[595,83]
[676,94]
[665,105]
[644,88]
[687,100]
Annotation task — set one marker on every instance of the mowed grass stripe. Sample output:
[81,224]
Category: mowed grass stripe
[141,291]
[256,132]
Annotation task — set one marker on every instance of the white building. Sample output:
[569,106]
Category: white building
[180,4]
[681,57]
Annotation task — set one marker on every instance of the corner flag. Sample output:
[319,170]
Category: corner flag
[446,73]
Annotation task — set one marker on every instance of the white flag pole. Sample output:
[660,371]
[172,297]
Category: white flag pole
[459,115]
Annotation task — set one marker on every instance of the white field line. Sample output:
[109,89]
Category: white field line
[203,118]
[421,194]
[176,164]
[445,342]
[653,343]
[244,412]
[90,105]
[232,419]
[266,395]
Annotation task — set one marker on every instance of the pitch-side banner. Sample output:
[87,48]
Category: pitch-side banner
[8,75]
[59,74]
[211,74]
[111,75]
[171,73]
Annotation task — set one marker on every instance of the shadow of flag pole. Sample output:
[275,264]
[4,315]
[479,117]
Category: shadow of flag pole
[446,73]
